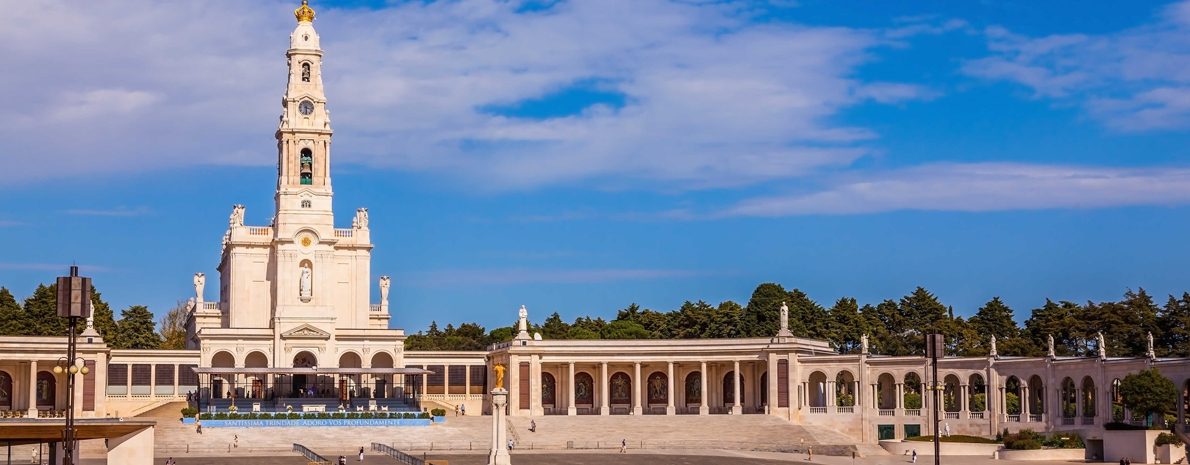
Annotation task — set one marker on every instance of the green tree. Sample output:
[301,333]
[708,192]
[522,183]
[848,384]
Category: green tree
[579,332]
[104,318]
[1175,318]
[41,313]
[813,317]
[136,329]
[1148,392]
[762,316]
[1060,320]
[725,321]
[623,329]
[994,319]
[173,327]
[847,326]
[555,328]
[12,316]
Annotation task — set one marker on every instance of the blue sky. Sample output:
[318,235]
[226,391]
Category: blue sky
[578,156]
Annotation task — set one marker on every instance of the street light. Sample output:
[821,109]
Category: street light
[74,303]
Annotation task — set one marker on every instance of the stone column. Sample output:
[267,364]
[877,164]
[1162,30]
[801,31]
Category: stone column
[177,374]
[636,382]
[33,388]
[467,382]
[570,408]
[535,405]
[736,408]
[963,401]
[514,386]
[1024,400]
[900,400]
[669,385]
[772,389]
[1078,402]
[603,398]
[702,375]
[499,453]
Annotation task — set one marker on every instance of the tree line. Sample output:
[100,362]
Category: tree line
[37,315]
[894,326]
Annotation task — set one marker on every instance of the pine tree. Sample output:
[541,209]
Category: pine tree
[761,318]
[12,316]
[1175,318]
[993,319]
[847,326]
[554,327]
[105,319]
[136,329]
[41,313]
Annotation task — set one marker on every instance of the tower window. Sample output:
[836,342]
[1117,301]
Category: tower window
[305,72]
[305,204]
[307,162]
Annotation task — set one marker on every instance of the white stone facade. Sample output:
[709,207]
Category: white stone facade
[298,288]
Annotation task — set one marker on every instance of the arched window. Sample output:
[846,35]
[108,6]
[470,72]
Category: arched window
[305,72]
[307,162]
[305,204]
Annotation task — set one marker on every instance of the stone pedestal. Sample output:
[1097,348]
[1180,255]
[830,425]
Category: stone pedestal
[499,453]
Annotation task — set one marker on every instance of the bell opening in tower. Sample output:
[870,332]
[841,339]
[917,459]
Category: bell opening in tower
[307,167]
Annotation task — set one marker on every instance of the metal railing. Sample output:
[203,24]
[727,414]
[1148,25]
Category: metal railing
[310,455]
[396,454]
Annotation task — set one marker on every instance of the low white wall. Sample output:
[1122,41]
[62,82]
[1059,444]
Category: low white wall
[946,448]
[1137,446]
[1057,455]
[132,449]
[1170,454]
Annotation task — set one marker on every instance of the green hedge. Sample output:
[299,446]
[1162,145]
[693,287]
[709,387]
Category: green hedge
[189,412]
[1170,439]
[438,412]
[955,438]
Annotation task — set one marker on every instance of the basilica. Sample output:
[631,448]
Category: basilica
[292,324]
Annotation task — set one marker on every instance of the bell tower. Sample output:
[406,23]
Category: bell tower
[304,195]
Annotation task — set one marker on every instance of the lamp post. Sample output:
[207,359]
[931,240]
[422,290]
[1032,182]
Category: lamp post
[74,303]
[935,349]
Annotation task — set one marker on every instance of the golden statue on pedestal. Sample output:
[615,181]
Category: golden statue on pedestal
[499,376]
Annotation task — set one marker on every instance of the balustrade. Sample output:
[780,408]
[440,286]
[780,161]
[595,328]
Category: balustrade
[976,415]
[913,412]
[1088,421]
[844,409]
[1014,418]
[952,415]
[1035,417]
[817,409]
[887,412]
[344,232]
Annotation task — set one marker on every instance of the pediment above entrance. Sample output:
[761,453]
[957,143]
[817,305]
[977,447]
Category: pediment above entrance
[305,332]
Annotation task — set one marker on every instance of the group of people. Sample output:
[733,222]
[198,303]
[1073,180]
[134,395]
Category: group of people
[460,408]
[343,458]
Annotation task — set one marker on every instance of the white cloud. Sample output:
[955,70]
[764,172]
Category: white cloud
[1132,80]
[979,187]
[118,211]
[713,99]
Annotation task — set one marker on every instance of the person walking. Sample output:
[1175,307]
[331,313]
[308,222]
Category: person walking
[810,452]
[914,459]
[510,444]
[623,446]
[456,410]
[198,425]
[361,453]
[464,409]
[236,441]
[532,426]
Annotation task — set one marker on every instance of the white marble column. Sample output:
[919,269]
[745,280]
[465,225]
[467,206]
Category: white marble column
[964,400]
[736,408]
[603,398]
[570,408]
[636,382]
[702,376]
[669,385]
[1024,400]
[900,393]
[33,389]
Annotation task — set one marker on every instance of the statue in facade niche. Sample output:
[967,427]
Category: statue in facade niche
[384,284]
[305,284]
[200,282]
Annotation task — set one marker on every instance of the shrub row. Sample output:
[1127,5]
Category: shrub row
[955,438]
[315,416]
[1028,439]
[438,412]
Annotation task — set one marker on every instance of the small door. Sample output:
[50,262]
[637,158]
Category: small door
[886,431]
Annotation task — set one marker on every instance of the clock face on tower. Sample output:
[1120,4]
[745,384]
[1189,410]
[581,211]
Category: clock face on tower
[306,107]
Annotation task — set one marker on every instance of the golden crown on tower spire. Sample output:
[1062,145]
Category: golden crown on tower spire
[305,13]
